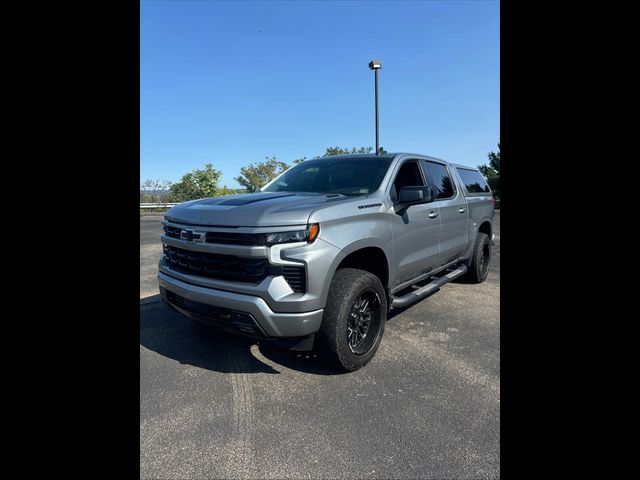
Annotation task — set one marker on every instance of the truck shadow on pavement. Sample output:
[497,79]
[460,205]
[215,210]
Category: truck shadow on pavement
[179,338]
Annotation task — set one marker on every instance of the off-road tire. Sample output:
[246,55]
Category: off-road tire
[480,260]
[348,286]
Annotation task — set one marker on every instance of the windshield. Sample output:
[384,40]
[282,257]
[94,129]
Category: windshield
[347,176]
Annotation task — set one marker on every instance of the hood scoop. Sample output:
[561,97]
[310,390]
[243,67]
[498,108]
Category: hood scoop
[245,200]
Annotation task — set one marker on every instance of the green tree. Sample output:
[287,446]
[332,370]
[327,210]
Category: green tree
[154,191]
[259,174]
[197,184]
[492,171]
[345,151]
[226,191]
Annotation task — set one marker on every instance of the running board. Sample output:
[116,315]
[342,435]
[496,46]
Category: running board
[428,289]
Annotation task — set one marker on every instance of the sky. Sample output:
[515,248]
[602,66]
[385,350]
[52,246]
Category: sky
[230,83]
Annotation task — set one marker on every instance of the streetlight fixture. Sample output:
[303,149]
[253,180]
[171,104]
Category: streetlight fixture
[376,65]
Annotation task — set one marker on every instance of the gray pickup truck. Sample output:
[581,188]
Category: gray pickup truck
[317,258]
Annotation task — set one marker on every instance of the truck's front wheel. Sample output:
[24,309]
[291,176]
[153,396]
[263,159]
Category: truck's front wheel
[354,318]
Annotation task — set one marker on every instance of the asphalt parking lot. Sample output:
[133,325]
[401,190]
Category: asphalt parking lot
[427,406]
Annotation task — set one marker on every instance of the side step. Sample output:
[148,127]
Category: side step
[428,289]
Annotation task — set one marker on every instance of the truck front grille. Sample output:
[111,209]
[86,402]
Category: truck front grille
[224,238]
[232,268]
[213,265]
[172,232]
[230,238]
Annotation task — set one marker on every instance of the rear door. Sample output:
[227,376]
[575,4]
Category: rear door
[454,215]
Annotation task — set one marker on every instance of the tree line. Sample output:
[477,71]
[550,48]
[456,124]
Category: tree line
[205,182]
[492,172]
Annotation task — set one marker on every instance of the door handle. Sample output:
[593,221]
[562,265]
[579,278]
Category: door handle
[461,210]
[433,214]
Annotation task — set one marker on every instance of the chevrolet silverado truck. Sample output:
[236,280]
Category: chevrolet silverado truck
[317,258]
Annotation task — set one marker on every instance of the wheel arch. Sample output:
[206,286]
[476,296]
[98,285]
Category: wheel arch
[485,225]
[366,254]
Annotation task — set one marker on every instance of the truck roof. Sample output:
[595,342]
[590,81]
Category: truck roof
[458,165]
[390,155]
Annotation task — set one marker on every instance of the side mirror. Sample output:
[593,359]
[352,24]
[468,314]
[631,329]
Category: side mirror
[415,195]
[412,196]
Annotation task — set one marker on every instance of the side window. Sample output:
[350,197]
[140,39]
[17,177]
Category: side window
[408,176]
[439,179]
[473,181]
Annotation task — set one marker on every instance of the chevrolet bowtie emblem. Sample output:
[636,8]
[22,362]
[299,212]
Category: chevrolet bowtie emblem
[192,236]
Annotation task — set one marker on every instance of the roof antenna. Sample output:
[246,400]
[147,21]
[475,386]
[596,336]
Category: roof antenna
[375,65]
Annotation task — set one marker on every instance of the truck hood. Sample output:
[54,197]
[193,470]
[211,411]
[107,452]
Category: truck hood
[259,209]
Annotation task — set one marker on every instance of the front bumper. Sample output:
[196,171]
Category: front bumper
[271,324]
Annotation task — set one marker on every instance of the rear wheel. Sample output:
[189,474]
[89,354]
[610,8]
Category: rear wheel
[480,260]
[354,319]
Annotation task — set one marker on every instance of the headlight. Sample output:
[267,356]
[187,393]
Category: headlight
[308,235]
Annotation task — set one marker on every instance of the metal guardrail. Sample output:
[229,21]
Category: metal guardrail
[157,205]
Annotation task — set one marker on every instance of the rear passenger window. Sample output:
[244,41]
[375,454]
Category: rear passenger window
[438,179]
[473,181]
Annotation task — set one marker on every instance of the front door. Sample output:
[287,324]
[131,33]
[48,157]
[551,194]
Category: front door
[415,232]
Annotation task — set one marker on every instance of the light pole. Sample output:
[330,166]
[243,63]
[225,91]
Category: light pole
[375,65]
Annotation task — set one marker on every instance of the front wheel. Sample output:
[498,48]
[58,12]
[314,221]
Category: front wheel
[353,320]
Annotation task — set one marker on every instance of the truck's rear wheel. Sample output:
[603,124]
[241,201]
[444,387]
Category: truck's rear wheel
[480,260]
[353,321]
